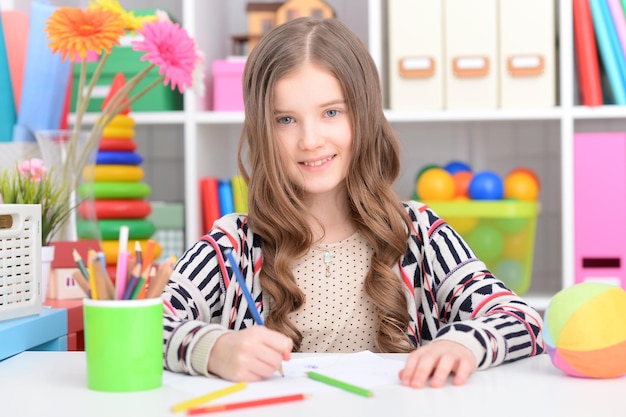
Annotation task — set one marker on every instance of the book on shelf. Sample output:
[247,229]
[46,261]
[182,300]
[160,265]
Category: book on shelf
[220,196]
[609,48]
[586,52]
[209,201]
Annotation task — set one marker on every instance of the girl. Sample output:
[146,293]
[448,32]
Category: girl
[334,260]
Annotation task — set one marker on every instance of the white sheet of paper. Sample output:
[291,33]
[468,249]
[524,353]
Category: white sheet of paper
[364,369]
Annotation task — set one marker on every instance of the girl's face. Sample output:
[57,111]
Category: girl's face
[313,129]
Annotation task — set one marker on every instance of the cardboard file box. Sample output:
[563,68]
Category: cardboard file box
[599,207]
[415,54]
[471,38]
[527,53]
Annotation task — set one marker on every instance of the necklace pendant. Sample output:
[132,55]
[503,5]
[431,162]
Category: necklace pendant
[328,259]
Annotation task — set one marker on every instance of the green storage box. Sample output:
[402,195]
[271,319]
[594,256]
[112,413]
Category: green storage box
[123,59]
[501,233]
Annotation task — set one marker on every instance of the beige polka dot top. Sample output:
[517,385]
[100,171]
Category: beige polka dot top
[337,315]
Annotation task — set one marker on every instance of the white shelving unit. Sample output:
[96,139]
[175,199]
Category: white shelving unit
[541,139]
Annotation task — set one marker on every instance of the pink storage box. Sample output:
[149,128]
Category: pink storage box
[599,207]
[227,79]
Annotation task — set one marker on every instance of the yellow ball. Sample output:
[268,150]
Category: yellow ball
[436,184]
[521,185]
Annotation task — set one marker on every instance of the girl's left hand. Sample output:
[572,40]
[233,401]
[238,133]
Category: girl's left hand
[437,361]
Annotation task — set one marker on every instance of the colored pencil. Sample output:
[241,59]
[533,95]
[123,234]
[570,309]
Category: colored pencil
[144,287]
[81,265]
[141,283]
[244,289]
[246,404]
[98,277]
[148,257]
[138,253]
[246,293]
[340,384]
[132,282]
[186,405]
[122,263]
[82,282]
[105,274]
[156,284]
[92,279]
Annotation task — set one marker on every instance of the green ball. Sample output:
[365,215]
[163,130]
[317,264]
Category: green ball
[512,225]
[486,241]
[513,274]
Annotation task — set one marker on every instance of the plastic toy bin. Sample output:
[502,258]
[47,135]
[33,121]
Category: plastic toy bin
[501,233]
[20,260]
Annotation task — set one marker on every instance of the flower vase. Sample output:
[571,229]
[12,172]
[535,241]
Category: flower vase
[47,256]
[71,157]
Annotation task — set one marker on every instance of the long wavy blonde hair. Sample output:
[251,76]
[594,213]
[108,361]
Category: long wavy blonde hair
[276,209]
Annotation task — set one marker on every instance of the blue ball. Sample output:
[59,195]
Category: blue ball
[486,185]
[457,166]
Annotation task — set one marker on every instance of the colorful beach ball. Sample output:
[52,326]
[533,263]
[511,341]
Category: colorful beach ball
[585,330]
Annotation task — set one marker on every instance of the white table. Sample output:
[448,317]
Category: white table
[54,384]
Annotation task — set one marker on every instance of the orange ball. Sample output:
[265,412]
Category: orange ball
[529,172]
[436,184]
[462,180]
[521,185]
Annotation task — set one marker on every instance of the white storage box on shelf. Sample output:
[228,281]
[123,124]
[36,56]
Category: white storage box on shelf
[527,53]
[20,260]
[415,54]
[471,51]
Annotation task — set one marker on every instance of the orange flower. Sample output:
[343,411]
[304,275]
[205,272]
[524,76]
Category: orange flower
[74,31]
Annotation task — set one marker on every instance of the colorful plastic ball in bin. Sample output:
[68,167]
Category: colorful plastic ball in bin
[486,185]
[435,184]
[516,245]
[462,181]
[486,241]
[462,224]
[521,185]
[512,273]
[457,166]
[418,175]
[584,330]
[512,225]
[528,171]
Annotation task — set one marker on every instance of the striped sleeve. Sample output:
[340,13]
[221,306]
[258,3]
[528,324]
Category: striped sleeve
[468,304]
[195,299]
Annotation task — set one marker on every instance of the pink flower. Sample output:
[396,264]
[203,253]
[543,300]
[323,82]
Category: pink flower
[33,169]
[169,47]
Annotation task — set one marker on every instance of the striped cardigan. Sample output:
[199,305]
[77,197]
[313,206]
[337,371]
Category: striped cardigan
[451,295]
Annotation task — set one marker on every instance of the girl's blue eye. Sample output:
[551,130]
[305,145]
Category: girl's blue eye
[285,120]
[332,113]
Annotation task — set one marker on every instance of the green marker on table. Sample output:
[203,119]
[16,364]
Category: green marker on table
[340,384]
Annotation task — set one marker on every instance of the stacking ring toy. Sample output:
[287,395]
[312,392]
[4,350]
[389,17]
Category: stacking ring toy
[114,190]
[117,144]
[137,228]
[118,132]
[118,158]
[122,120]
[110,249]
[123,173]
[114,209]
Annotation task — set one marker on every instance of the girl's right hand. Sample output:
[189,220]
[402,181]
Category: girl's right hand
[249,355]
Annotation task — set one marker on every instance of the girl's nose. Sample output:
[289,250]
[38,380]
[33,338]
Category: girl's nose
[310,137]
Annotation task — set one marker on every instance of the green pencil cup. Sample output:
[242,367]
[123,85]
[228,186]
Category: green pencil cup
[124,344]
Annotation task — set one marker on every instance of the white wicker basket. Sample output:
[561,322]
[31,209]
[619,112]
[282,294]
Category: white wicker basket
[20,260]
